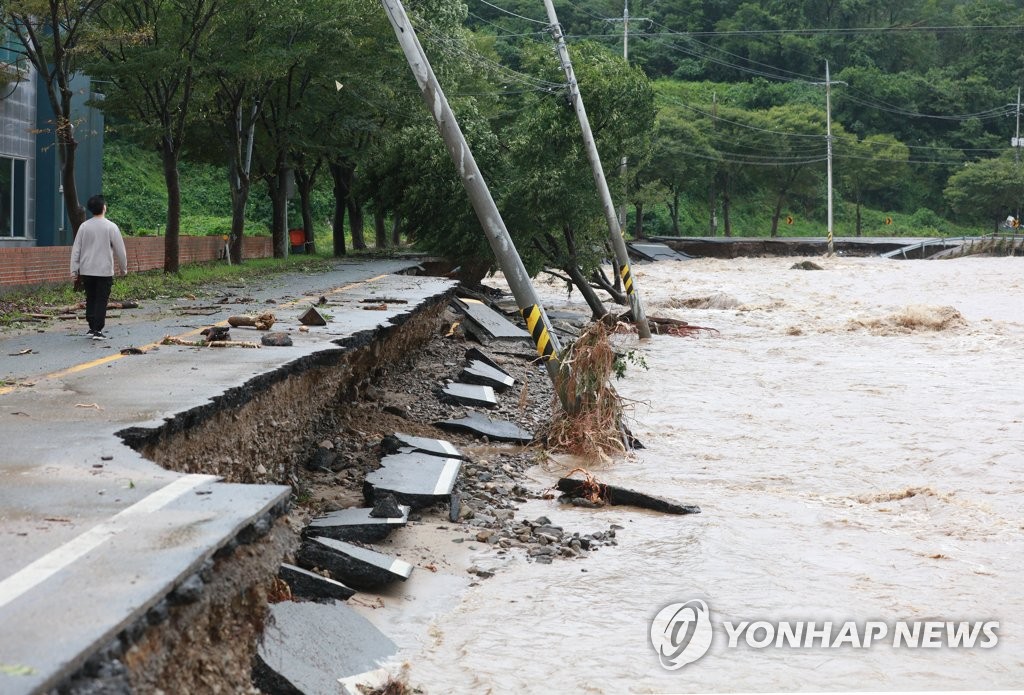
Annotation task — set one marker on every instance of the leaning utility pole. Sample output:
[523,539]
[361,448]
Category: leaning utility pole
[479,195]
[643,329]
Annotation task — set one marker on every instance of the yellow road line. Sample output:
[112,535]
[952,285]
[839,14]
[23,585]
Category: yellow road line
[116,356]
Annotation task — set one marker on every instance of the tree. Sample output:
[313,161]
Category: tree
[870,166]
[52,34]
[149,50]
[988,189]
[682,157]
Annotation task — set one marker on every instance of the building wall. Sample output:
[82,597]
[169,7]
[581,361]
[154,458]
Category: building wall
[17,139]
[42,265]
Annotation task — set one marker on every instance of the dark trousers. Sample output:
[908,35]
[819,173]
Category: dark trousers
[97,292]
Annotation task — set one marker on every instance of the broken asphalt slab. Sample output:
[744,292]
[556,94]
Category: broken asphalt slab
[470,394]
[356,524]
[312,586]
[483,426]
[308,647]
[650,251]
[477,372]
[418,480]
[353,565]
[400,442]
[486,324]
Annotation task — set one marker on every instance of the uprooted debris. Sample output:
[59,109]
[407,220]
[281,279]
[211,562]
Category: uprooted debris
[263,322]
[589,492]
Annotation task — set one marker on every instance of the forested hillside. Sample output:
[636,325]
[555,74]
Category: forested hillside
[719,114]
[921,87]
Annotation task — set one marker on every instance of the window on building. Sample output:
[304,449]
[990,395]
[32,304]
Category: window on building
[12,197]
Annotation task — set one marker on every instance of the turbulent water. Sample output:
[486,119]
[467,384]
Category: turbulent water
[854,438]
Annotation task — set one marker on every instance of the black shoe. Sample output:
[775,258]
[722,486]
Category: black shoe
[98,335]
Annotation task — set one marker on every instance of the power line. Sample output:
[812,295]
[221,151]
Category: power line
[513,14]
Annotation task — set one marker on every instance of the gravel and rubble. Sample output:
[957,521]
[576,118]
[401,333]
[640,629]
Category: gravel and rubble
[493,482]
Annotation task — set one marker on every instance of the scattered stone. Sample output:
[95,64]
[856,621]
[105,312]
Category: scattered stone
[806,265]
[277,339]
[321,460]
[386,507]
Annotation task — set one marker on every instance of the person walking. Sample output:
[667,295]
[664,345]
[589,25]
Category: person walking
[98,246]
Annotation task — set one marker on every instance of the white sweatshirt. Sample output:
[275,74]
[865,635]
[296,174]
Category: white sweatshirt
[97,243]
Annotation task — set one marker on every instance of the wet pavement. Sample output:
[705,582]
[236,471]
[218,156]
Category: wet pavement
[92,535]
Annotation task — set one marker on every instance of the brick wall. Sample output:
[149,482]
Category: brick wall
[37,265]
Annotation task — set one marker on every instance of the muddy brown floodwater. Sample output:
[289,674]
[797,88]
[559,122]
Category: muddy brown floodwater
[854,437]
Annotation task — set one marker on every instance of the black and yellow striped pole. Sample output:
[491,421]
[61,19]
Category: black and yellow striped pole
[479,195]
[643,329]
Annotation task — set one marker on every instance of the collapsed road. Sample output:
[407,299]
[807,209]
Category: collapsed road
[142,496]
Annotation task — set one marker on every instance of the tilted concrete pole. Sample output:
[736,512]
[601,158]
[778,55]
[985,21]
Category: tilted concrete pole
[479,194]
[614,229]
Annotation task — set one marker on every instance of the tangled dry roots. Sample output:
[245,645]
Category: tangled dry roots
[594,426]
[592,489]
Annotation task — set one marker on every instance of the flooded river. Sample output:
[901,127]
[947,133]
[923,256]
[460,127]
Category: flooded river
[854,437]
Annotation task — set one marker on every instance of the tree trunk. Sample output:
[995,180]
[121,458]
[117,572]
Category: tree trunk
[712,209]
[396,230]
[380,230]
[239,198]
[67,148]
[675,211]
[589,295]
[341,186]
[638,230]
[304,181]
[277,186]
[777,213]
[858,217]
[355,217]
[173,183]
[726,205]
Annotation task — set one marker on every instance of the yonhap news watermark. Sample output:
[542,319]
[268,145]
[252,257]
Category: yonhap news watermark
[682,633]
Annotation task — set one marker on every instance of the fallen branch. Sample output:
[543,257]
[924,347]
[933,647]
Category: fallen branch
[171,340]
[263,322]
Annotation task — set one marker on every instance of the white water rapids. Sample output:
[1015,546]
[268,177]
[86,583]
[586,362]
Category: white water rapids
[857,450]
